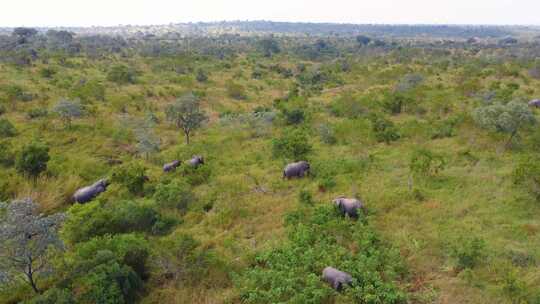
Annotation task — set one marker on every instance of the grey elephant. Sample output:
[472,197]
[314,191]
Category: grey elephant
[336,278]
[196,161]
[297,169]
[349,206]
[534,103]
[168,167]
[88,193]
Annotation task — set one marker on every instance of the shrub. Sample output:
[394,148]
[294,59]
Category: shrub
[67,110]
[305,197]
[294,116]
[98,219]
[33,159]
[6,128]
[385,130]
[122,74]
[6,155]
[87,91]
[426,163]
[527,174]
[327,134]
[196,175]
[236,91]
[54,296]
[468,252]
[201,76]
[175,195]
[293,145]
[37,113]
[394,103]
[132,176]
[3,109]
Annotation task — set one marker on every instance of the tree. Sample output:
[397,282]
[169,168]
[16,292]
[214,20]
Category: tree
[269,46]
[26,237]
[186,114]
[363,40]
[131,175]
[507,118]
[68,110]
[122,74]
[33,159]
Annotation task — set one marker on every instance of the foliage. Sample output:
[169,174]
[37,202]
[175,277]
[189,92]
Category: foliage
[53,296]
[122,74]
[37,113]
[132,176]
[6,128]
[236,91]
[527,174]
[293,145]
[468,252]
[294,116]
[318,238]
[98,218]
[507,118]
[175,194]
[426,163]
[33,158]
[327,134]
[26,237]
[186,114]
[6,154]
[384,129]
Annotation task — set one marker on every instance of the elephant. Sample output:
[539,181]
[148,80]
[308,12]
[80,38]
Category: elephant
[168,167]
[534,103]
[336,278]
[196,160]
[298,169]
[349,206]
[88,193]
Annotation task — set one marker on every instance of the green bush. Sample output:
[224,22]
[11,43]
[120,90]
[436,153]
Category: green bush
[98,218]
[54,296]
[37,113]
[6,155]
[318,238]
[196,175]
[426,163]
[6,128]
[327,134]
[33,159]
[468,252]
[132,176]
[122,74]
[384,129]
[305,197]
[294,116]
[175,195]
[236,91]
[292,145]
[527,174]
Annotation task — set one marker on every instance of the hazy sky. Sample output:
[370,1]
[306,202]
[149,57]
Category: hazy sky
[114,12]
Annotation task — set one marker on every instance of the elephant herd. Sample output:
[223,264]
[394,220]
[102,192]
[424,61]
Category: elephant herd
[350,207]
[88,193]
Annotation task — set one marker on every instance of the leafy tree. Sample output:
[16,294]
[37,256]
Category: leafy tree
[175,194]
[33,159]
[294,116]
[186,114]
[363,40]
[26,236]
[131,175]
[147,141]
[507,118]
[68,110]
[6,128]
[293,144]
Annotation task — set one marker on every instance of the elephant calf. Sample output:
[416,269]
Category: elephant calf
[336,278]
[87,194]
[196,161]
[298,169]
[349,206]
[171,166]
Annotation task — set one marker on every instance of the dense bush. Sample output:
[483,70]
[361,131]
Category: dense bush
[175,194]
[426,163]
[122,74]
[468,252]
[132,176]
[293,145]
[6,128]
[33,159]
[384,129]
[236,91]
[98,218]
[37,113]
[319,238]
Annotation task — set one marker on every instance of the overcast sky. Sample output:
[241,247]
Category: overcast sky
[115,12]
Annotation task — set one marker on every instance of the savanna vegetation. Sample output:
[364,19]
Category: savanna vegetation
[435,137]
